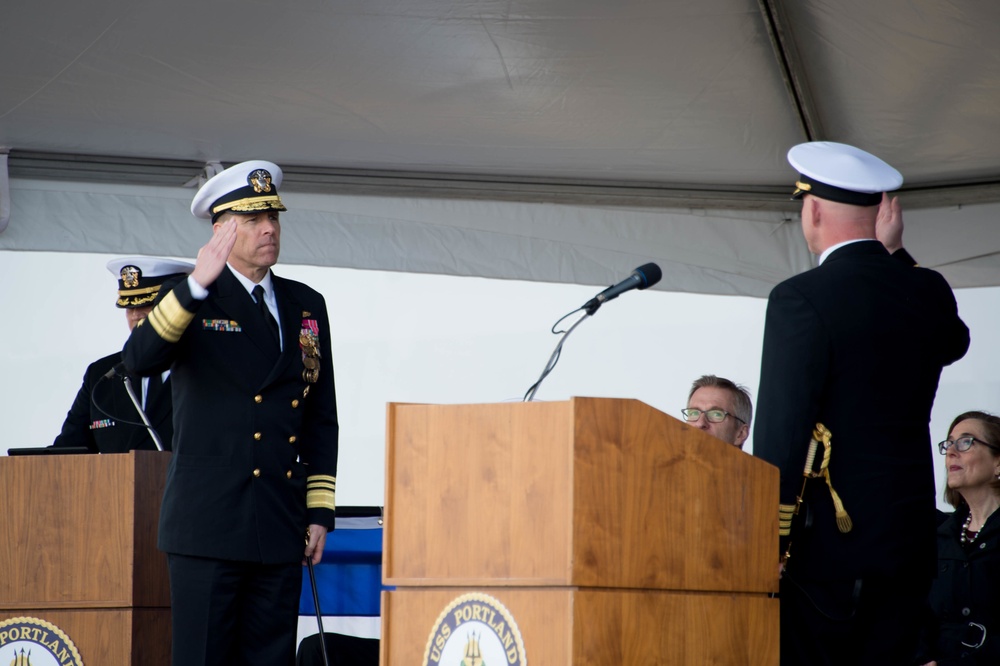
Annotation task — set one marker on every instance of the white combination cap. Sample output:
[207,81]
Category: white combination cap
[839,172]
[140,278]
[247,187]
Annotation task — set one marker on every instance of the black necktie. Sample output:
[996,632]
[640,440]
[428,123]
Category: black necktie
[272,325]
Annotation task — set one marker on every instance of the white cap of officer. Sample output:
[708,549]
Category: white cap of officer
[843,173]
[140,278]
[247,187]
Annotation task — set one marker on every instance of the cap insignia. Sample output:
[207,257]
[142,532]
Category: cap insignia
[130,276]
[260,180]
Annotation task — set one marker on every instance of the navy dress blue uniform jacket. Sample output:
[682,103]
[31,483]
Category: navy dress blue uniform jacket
[255,444]
[858,344]
[88,426]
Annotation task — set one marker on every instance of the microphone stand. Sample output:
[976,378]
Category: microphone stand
[645,276]
[530,395]
[142,414]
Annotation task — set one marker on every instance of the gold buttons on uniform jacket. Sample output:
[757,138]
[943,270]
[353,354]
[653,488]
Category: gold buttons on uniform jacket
[257,436]
[288,474]
[256,473]
[291,440]
[295,403]
[258,399]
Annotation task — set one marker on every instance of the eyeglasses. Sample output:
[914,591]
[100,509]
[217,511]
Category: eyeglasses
[711,415]
[963,444]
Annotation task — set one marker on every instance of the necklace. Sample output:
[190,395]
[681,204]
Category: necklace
[964,536]
[968,535]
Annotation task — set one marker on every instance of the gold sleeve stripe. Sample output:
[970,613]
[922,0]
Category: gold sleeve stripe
[321,490]
[321,500]
[321,477]
[169,318]
[785,513]
[318,498]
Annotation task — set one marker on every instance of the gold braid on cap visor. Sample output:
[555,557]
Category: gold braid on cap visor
[251,205]
[133,298]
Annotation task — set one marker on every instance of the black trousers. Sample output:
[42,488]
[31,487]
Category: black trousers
[871,621]
[227,612]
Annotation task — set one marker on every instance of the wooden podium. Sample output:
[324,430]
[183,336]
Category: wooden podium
[78,550]
[613,533]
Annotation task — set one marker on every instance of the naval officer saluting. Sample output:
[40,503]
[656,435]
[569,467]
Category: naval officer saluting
[250,488]
[857,344]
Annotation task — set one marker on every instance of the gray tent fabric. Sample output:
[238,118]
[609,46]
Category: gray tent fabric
[553,140]
[700,251]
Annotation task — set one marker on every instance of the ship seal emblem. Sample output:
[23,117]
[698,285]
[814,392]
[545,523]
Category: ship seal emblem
[475,630]
[30,641]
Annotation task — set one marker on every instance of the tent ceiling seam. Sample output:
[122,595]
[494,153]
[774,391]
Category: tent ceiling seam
[782,40]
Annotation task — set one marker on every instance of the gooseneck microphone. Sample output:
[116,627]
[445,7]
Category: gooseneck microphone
[645,276]
[119,371]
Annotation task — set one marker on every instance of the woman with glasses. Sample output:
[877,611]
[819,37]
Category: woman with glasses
[963,624]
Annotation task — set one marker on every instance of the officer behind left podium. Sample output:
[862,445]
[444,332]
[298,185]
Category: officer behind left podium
[103,417]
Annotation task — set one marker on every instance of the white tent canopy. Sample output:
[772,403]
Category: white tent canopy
[554,140]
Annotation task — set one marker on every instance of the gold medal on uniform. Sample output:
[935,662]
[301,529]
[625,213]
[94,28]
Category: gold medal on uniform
[309,343]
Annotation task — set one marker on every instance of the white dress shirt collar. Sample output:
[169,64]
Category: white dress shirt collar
[248,284]
[827,252]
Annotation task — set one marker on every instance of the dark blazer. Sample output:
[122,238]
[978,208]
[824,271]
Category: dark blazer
[858,344]
[250,433]
[965,590]
[86,425]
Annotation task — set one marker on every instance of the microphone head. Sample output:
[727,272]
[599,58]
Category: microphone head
[117,370]
[649,274]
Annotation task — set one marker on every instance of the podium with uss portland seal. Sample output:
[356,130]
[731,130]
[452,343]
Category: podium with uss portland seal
[587,531]
[81,581]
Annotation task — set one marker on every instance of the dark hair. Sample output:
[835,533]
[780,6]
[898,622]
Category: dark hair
[991,424]
[742,406]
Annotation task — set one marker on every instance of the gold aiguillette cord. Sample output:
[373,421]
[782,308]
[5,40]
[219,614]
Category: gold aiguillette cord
[786,511]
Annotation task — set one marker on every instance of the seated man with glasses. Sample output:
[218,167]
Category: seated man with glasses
[720,407]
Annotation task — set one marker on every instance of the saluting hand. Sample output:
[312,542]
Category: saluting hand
[316,543]
[889,223]
[213,255]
